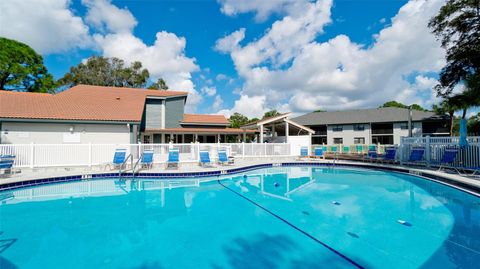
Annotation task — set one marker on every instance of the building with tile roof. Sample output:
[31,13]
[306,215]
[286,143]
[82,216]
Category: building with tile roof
[98,114]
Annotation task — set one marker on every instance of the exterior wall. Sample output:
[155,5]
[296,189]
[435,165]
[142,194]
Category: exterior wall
[59,133]
[174,112]
[348,134]
[398,132]
[153,114]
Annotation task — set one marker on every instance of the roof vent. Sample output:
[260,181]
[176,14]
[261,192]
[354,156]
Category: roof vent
[118,98]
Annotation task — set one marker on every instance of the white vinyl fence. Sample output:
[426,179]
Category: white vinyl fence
[435,147]
[50,155]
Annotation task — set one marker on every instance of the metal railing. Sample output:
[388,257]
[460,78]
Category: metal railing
[70,155]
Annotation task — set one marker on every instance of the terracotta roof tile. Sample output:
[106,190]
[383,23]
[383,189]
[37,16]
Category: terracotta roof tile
[82,102]
[198,118]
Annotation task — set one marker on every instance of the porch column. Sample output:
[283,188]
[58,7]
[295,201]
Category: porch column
[244,136]
[286,132]
[261,133]
[273,133]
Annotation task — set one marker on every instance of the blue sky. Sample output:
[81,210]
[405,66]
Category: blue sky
[248,56]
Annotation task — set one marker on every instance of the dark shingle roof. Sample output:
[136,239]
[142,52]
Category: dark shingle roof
[372,115]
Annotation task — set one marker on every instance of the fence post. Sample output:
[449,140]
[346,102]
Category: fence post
[265,144]
[32,153]
[90,154]
[243,149]
[198,152]
[427,150]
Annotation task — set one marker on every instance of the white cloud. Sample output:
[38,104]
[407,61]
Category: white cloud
[105,16]
[48,26]
[250,106]
[221,77]
[217,103]
[262,8]
[230,42]
[287,64]
[209,91]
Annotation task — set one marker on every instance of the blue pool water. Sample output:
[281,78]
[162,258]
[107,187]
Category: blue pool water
[282,217]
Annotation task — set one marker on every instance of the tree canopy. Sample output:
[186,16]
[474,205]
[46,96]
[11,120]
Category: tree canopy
[457,26]
[236,120]
[271,113]
[398,104]
[159,85]
[103,71]
[22,69]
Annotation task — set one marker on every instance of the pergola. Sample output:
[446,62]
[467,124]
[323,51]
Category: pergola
[279,128]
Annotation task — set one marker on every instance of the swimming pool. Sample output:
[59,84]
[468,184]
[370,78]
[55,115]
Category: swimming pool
[279,217]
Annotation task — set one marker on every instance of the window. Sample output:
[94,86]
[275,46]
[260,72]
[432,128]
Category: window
[359,127]
[338,140]
[337,128]
[359,140]
[146,139]
[404,125]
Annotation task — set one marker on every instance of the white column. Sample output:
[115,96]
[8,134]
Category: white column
[286,132]
[244,136]
[162,110]
[261,133]
[273,133]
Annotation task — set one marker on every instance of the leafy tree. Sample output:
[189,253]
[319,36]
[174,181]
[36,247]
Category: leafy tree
[319,110]
[457,26]
[237,120]
[22,69]
[159,85]
[400,105]
[271,113]
[253,120]
[103,71]
[474,124]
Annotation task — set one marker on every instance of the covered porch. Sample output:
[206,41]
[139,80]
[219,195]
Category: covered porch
[278,129]
[192,135]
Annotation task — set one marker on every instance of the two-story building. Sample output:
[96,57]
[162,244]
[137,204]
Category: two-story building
[106,115]
[372,126]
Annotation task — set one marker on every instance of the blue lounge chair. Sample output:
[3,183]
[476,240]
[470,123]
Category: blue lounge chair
[119,158]
[318,153]
[303,152]
[147,159]
[222,157]
[6,164]
[173,157]
[371,156]
[416,156]
[205,158]
[389,156]
[448,160]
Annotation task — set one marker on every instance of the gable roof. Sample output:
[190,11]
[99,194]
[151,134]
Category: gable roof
[372,115]
[204,119]
[81,102]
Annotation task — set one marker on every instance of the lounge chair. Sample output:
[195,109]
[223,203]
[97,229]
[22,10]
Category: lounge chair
[303,153]
[346,149]
[6,164]
[389,156]
[222,157]
[318,153]
[334,149]
[371,156]
[416,156]
[147,159]
[448,160]
[205,158]
[359,149]
[118,159]
[173,157]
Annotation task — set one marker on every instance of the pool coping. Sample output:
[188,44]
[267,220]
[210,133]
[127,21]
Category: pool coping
[471,186]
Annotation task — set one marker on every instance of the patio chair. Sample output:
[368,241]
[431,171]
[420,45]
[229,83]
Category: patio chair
[416,156]
[359,149]
[371,156]
[448,160]
[118,159]
[147,159]
[222,157]
[318,153]
[389,156]
[346,149]
[303,153]
[173,157]
[205,158]
[6,164]
[334,149]
[372,147]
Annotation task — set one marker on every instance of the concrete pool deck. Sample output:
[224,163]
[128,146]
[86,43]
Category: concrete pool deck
[26,174]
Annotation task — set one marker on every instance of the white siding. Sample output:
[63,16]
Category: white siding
[348,134]
[398,132]
[59,133]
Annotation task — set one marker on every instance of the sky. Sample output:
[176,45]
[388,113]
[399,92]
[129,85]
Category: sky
[248,56]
